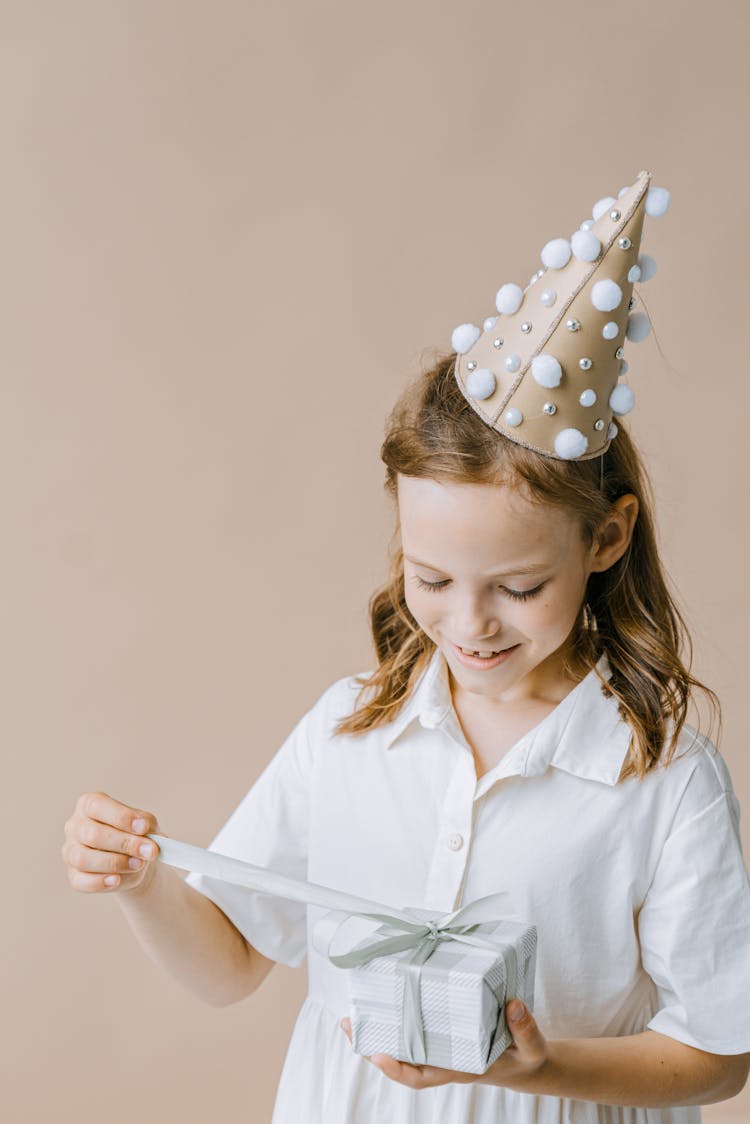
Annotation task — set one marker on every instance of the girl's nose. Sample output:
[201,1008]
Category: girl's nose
[475,622]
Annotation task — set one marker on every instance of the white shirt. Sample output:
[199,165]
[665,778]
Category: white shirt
[638,890]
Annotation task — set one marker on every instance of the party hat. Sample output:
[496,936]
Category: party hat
[547,371]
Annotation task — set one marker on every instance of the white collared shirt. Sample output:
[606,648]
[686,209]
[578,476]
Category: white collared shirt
[638,890]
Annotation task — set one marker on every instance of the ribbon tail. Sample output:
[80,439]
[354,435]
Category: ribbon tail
[359,956]
[415,1046]
[240,873]
[482,909]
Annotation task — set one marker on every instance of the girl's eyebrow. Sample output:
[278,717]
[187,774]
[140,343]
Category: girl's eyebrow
[532,568]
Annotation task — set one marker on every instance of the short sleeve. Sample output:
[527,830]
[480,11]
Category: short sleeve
[694,924]
[269,828]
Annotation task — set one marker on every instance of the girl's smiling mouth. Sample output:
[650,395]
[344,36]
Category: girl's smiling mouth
[483,662]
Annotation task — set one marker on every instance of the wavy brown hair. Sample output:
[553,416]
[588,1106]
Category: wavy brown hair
[627,611]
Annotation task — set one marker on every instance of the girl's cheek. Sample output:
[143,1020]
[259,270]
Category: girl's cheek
[555,615]
[419,608]
[414,603]
[544,617]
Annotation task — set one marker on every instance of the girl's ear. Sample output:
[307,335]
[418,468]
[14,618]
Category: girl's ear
[615,532]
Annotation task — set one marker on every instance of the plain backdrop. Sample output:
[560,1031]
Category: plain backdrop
[229,234]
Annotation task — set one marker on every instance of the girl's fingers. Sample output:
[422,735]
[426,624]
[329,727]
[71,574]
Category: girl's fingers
[90,860]
[95,883]
[104,824]
[103,837]
[104,809]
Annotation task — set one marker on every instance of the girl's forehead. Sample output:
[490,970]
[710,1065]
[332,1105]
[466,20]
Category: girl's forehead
[423,496]
[500,516]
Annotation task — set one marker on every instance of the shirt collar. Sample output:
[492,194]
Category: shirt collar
[584,734]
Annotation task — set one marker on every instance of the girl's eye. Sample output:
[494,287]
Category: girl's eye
[523,595]
[429,585]
[514,594]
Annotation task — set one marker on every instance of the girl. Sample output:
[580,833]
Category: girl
[524,729]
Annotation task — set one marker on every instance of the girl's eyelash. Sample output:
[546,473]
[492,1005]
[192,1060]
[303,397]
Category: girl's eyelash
[515,594]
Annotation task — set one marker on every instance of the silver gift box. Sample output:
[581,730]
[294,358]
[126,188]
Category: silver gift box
[462,996]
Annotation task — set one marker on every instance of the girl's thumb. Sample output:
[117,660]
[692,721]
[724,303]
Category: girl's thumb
[516,1011]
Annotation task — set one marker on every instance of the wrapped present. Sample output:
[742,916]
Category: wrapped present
[424,988]
[440,998]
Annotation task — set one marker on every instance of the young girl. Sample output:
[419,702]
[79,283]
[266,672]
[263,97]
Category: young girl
[524,730]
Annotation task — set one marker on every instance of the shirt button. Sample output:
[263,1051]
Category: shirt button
[455,841]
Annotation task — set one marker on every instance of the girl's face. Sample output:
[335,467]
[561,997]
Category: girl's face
[487,570]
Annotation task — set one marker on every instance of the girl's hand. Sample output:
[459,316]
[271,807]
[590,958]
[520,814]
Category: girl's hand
[104,848]
[515,1068]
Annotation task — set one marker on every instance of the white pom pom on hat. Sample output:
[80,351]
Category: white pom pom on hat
[571,443]
[556,253]
[509,298]
[585,245]
[638,327]
[657,201]
[481,383]
[606,295]
[464,337]
[622,399]
[546,370]
[647,266]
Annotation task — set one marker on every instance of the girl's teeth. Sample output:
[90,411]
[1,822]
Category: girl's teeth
[483,655]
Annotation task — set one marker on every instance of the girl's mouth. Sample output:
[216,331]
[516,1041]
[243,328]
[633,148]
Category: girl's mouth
[482,662]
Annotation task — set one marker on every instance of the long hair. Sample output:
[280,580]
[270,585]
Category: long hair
[627,611]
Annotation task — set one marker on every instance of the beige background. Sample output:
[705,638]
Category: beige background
[228,232]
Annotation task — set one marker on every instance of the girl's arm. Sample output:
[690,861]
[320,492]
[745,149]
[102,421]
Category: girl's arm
[179,928]
[185,933]
[647,1070]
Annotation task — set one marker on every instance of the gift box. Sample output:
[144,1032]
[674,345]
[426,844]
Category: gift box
[449,1010]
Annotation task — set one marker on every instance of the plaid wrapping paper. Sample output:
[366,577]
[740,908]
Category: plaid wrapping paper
[462,995]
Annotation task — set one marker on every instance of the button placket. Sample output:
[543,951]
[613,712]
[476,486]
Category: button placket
[452,839]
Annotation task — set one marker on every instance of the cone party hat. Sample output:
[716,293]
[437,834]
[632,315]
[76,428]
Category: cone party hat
[547,371]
